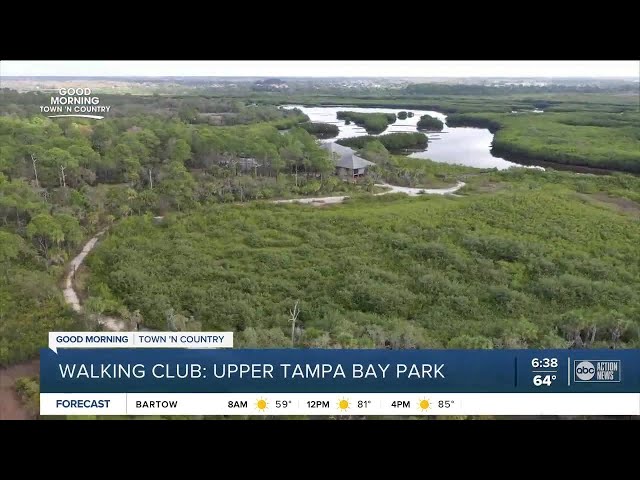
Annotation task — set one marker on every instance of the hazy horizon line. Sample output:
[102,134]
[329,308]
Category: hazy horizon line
[317,76]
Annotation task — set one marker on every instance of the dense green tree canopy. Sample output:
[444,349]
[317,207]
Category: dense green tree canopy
[534,266]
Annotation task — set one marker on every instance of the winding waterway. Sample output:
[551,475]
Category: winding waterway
[454,145]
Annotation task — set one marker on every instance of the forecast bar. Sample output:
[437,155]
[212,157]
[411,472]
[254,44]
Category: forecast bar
[332,404]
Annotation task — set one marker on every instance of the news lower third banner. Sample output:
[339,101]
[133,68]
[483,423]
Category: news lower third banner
[213,380]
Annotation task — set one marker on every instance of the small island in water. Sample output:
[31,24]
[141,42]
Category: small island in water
[321,130]
[427,122]
[393,142]
[372,122]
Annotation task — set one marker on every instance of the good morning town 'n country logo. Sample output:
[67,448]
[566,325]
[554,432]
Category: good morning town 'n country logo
[75,102]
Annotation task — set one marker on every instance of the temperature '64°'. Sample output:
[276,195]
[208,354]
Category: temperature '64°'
[540,380]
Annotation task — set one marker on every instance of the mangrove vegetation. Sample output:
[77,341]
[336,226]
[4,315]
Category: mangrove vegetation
[427,122]
[394,142]
[371,122]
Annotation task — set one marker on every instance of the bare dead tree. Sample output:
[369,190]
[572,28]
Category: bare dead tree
[577,339]
[230,161]
[616,333]
[150,180]
[34,160]
[294,318]
[63,180]
[45,196]
[234,162]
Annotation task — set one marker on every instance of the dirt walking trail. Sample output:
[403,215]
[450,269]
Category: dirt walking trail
[11,407]
[71,296]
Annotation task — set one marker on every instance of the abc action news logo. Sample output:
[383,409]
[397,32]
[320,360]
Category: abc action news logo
[596,371]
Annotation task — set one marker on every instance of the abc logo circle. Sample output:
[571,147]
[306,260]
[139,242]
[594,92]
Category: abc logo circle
[585,370]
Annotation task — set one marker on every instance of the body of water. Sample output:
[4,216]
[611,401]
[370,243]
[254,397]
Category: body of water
[454,145]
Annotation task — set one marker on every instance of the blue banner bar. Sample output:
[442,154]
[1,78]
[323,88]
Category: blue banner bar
[334,371]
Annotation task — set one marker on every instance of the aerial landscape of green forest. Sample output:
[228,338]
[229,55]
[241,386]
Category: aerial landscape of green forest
[482,271]
[182,187]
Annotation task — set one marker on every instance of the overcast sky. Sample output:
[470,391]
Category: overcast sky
[328,68]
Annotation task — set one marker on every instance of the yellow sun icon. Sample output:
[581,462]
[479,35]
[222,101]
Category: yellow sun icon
[261,404]
[423,405]
[343,404]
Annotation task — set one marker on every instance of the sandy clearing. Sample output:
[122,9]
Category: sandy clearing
[412,192]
